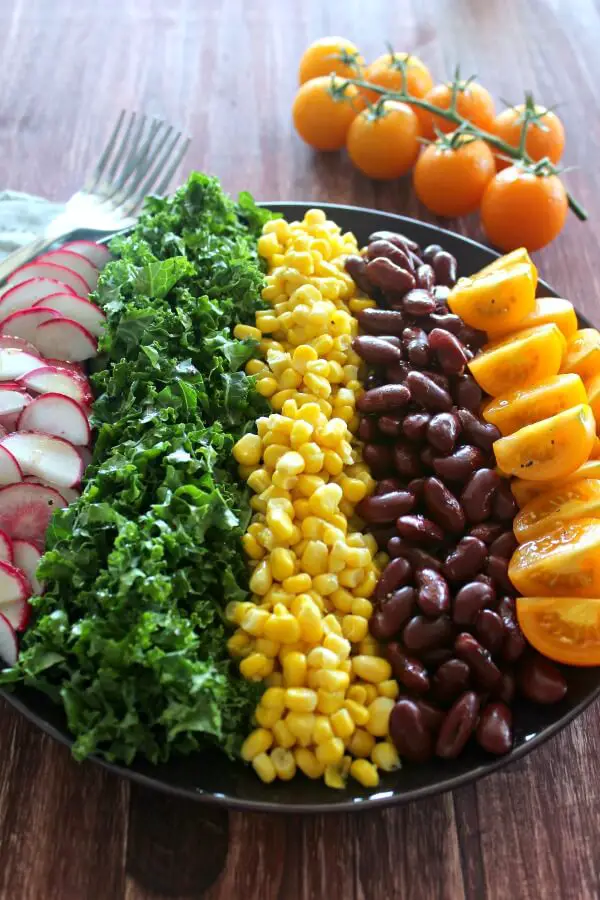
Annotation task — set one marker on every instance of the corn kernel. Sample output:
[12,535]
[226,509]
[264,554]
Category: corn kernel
[301,725]
[358,713]
[342,724]
[308,763]
[282,563]
[388,688]
[332,626]
[266,386]
[334,777]
[354,628]
[283,763]
[259,480]
[371,693]
[372,669]
[248,450]
[301,699]
[294,669]
[330,752]
[362,607]
[253,620]
[325,584]
[297,584]
[239,644]
[258,741]
[256,666]
[385,756]
[364,772]
[282,735]
[267,647]
[351,578]
[314,558]
[379,715]
[358,693]
[361,743]
[267,718]
[261,579]
[342,600]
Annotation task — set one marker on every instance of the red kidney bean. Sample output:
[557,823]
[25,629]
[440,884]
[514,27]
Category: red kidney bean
[506,688]
[466,560]
[412,738]
[497,568]
[472,338]
[417,350]
[432,716]
[489,630]
[442,506]
[379,458]
[435,658]
[419,559]
[487,531]
[438,378]
[541,681]
[356,267]
[433,596]
[419,529]
[415,425]
[514,643]
[460,465]
[424,391]
[406,460]
[387,486]
[397,373]
[375,379]
[416,486]
[458,726]
[425,277]
[484,669]
[430,252]
[384,398]
[470,600]
[451,679]
[381,321]
[392,614]
[397,573]
[443,431]
[385,508]
[449,351]
[382,535]
[394,237]
[443,319]
[467,393]
[444,266]
[387,276]
[418,302]
[391,426]
[427,456]
[421,634]
[408,671]
[482,434]
[476,498]
[485,579]
[494,731]
[504,545]
[504,506]
[390,251]
[367,429]
[376,351]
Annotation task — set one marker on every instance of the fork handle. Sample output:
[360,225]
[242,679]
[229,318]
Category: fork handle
[23,255]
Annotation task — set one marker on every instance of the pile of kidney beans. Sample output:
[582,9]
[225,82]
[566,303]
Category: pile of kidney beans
[445,607]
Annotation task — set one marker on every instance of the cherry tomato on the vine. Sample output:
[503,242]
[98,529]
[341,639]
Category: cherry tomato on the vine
[545,133]
[383,141]
[323,111]
[523,209]
[386,72]
[473,102]
[450,181]
[330,54]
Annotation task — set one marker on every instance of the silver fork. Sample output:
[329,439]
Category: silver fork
[139,159]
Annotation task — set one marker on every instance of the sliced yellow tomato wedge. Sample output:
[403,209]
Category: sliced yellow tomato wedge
[520,255]
[497,299]
[592,386]
[524,491]
[519,361]
[512,411]
[583,353]
[552,309]
[550,449]
[565,562]
[580,500]
[565,629]
[595,451]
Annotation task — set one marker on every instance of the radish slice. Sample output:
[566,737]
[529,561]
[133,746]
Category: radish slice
[57,415]
[69,494]
[9,646]
[22,324]
[56,380]
[76,308]
[25,294]
[27,558]
[6,548]
[99,254]
[64,364]
[86,456]
[66,339]
[49,270]
[26,509]
[14,593]
[50,458]
[76,262]
[16,343]
[10,470]
[14,363]
[12,404]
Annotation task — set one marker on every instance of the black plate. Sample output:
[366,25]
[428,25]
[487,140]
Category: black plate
[211,778]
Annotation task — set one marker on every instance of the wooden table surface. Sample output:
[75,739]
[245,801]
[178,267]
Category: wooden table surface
[226,71]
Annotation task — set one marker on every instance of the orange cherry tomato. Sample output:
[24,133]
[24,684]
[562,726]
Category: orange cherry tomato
[545,134]
[550,449]
[507,261]
[331,54]
[521,360]
[323,111]
[383,141]
[451,181]
[583,353]
[473,102]
[565,562]
[553,509]
[524,491]
[495,299]
[513,410]
[520,208]
[592,386]
[552,309]
[565,629]
[386,72]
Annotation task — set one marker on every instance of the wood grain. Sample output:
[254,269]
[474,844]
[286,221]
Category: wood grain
[226,72]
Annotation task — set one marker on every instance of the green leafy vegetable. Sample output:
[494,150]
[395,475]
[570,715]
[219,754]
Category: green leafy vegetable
[130,635]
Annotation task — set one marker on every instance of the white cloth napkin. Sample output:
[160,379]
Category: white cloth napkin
[23,217]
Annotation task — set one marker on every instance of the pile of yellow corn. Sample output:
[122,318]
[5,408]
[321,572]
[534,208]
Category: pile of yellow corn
[305,630]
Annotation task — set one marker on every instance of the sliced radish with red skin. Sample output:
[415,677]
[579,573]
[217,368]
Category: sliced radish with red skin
[14,363]
[76,262]
[50,458]
[49,270]
[7,553]
[98,254]
[25,294]
[10,470]
[86,456]
[26,509]
[66,364]
[56,380]
[9,645]
[69,494]
[78,309]
[66,339]
[12,404]
[15,591]
[15,343]
[22,324]
[27,558]
[56,415]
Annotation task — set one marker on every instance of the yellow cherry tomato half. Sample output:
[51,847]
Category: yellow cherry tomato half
[583,353]
[513,410]
[521,360]
[565,562]
[565,629]
[520,255]
[552,448]
[383,141]
[593,393]
[524,491]
[495,300]
[580,500]
[330,54]
[552,309]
